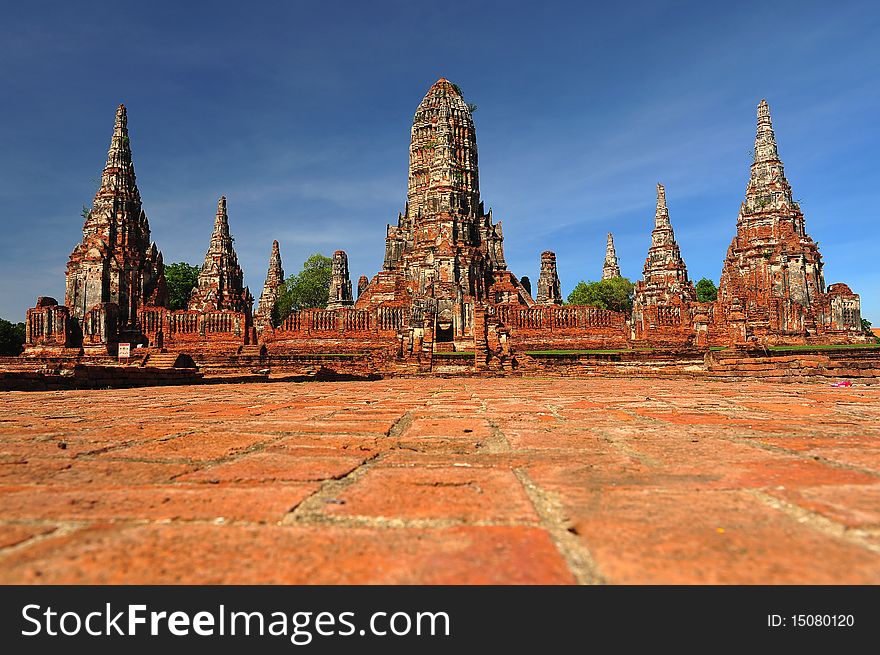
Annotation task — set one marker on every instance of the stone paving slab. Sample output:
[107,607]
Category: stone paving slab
[443,481]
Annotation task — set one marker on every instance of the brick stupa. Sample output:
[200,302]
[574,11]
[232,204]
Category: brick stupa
[445,254]
[339,294]
[116,261]
[773,270]
[665,275]
[611,267]
[662,299]
[549,289]
[221,281]
[271,288]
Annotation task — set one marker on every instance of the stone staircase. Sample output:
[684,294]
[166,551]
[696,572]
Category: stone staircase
[254,350]
[169,360]
[859,365]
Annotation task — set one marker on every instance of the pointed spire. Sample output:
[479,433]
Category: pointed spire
[661,217]
[221,220]
[220,286]
[662,235]
[120,148]
[765,139]
[118,177]
[116,230]
[121,120]
[611,267]
[275,258]
[269,297]
[665,274]
[275,274]
[768,194]
[363,283]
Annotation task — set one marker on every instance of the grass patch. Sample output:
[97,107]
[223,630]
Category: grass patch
[718,348]
[576,352]
[836,346]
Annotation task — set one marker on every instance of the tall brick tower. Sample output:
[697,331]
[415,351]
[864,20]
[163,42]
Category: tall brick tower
[665,274]
[445,253]
[662,298]
[549,289]
[271,288]
[773,268]
[340,282]
[220,286]
[116,262]
[611,267]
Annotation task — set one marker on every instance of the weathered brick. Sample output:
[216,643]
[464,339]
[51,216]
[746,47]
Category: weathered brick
[199,554]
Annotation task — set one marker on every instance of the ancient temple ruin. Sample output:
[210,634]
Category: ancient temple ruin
[444,282]
[662,297]
[549,288]
[611,267]
[773,271]
[265,314]
[339,294]
[446,252]
[114,272]
[220,285]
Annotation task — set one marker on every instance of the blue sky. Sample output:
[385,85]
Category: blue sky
[299,112]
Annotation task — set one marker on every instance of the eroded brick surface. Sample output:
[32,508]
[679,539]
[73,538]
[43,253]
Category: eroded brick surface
[605,480]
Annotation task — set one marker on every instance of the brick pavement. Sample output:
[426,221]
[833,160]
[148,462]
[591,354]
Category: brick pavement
[442,481]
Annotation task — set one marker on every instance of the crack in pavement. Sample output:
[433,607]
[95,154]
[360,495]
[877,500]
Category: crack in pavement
[576,556]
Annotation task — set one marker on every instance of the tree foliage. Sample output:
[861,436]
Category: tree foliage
[866,328]
[181,279]
[615,294]
[706,290]
[11,337]
[307,289]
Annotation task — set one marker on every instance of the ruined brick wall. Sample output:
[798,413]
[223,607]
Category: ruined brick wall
[47,326]
[664,325]
[91,376]
[843,309]
[193,331]
[571,327]
[345,330]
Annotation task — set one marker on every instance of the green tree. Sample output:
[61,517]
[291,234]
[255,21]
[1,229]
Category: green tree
[182,279]
[706,290]
[307,289]
[11,337]
[615,294]
[866,328]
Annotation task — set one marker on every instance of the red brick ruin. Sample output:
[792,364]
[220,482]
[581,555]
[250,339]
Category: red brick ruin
[444,286]
[772,288]
[664,296]
[274,280]
[611,267]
